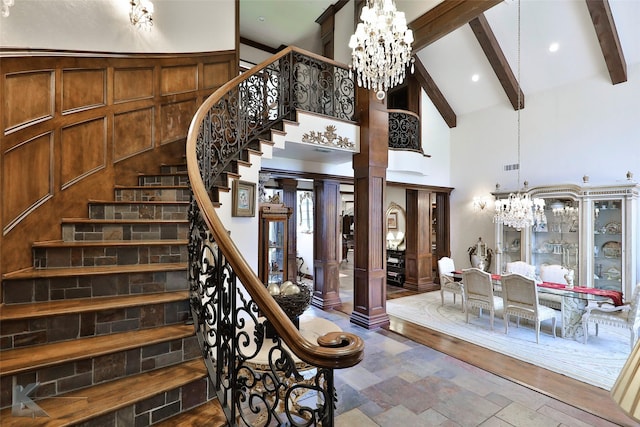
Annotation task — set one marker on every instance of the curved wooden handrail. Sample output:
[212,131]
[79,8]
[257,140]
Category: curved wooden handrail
[334,350]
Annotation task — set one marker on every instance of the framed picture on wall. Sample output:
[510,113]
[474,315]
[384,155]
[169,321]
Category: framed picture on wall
[392,221]
[244,198]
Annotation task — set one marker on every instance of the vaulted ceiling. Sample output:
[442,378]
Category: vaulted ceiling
[456,40]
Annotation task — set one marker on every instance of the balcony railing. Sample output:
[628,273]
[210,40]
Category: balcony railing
[404,131]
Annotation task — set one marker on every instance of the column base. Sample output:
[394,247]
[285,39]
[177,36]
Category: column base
[327,301]
[421,287]
[369,322]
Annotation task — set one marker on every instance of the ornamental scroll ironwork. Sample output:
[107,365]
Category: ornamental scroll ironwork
[294,81]
[257,380]
[329,137]
[404,131]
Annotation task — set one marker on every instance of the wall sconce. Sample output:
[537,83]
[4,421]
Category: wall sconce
[480,204]
[141,14]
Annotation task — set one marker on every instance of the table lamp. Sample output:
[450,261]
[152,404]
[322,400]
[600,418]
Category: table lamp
[626,390]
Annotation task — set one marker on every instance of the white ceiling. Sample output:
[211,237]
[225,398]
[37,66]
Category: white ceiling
[452,60]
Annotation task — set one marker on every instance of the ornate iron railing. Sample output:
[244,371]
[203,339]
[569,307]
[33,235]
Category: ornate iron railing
[285,380]
[404,131]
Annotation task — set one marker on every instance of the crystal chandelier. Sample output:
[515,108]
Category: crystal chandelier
[519,210]
[381,47]
[141,14]
[6,4]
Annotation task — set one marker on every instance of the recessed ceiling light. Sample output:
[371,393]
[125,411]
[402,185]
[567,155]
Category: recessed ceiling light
[475,77]
[553,47]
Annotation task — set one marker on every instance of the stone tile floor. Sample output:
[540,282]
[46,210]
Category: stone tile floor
[402,383]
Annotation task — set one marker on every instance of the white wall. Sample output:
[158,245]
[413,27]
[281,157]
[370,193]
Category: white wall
[104,26]
[590,127]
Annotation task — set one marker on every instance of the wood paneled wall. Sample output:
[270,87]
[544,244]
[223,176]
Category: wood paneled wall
[73,124]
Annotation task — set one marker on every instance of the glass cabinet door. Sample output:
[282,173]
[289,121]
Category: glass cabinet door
[273,243]
[557,241]
[276,252]
[511,247]
[607,244]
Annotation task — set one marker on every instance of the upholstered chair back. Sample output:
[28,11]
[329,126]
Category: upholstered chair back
[553,273]
[522,268]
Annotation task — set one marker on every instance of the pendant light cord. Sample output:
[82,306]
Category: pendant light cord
[519,95]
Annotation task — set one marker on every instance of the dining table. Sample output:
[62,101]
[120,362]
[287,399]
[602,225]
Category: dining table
[574,301]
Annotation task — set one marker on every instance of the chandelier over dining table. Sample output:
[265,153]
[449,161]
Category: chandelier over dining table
[519,210]
[381,47]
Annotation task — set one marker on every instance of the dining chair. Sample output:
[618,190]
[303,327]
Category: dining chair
[622,316]
[522,268]
[553,273]
[447,283]
[520,296]
[478,292]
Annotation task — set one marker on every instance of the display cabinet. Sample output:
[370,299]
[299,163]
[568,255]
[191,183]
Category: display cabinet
[613,237]
[593,230]
[273,239]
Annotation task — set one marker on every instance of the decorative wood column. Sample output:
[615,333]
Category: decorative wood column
[418,257]
[369,176]
[289,198]
[326,251]
[443,218]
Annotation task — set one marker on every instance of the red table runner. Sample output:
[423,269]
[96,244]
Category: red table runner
[616,296]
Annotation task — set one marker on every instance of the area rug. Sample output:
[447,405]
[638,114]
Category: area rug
[598,362]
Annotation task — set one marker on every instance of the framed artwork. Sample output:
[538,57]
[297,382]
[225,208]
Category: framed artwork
[244,198]
[392,220]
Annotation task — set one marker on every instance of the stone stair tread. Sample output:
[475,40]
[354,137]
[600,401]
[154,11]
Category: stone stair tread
[30,358]
[91,402]
[185,173]
[123,221]
[208,414]
[151,187]
[139,202]
[38,273]
[101,243]
[83,305]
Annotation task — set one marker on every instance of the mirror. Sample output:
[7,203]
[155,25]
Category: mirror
[396,227]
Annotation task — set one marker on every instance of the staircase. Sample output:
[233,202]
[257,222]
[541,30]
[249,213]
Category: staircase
[101,320]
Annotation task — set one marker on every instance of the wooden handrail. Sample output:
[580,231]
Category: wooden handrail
[334,350]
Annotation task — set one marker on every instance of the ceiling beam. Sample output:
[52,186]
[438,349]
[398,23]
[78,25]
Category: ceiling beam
[437,98]
[498,61]
[608,37]
[444,18]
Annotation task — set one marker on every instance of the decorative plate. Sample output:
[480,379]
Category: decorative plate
[613,228]
[612,249]
[613,274]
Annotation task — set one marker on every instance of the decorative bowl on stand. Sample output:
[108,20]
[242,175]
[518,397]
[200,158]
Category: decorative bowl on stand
[294,304]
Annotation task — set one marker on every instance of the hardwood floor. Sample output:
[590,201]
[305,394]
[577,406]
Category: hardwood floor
[583,396]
